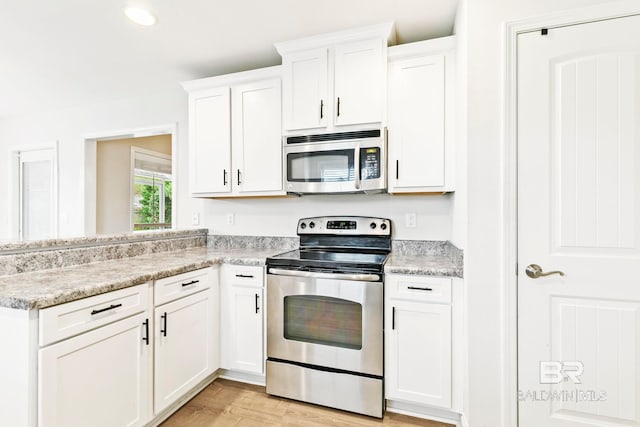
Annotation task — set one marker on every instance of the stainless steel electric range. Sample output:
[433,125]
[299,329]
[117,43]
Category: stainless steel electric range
[325,314]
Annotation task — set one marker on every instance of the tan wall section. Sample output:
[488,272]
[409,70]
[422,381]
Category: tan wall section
[113,181]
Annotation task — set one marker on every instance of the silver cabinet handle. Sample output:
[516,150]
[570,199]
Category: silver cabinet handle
[534,271]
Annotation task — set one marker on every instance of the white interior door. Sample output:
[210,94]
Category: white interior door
[578,212]
[37,194]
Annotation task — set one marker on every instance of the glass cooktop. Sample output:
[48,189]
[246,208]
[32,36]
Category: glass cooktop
[317,255]
[327,260]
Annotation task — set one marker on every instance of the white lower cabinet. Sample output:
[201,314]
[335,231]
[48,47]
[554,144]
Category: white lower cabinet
[112,360]
[242,318]
[184,346]
[418,340]
[98,378]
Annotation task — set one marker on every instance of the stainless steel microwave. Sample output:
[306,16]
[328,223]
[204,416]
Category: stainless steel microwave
[346,162]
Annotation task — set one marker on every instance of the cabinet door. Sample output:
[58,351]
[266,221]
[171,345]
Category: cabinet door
[184,346]
[210,141]
[99,378]
[418,353]
[305,89]
[417,124]
[247,330]
[360,76]
[257,137]
[242,324]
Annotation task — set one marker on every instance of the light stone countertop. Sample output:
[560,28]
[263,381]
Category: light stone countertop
[426,265]
[40,289]
[45,288]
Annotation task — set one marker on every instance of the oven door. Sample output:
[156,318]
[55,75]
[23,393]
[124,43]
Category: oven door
[338,167]
[325,320]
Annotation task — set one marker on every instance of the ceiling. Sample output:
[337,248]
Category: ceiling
[62,53]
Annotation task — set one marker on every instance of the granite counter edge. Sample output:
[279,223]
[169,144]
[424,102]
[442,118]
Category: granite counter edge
[80,292]
[424,271]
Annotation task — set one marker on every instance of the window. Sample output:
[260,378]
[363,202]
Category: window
[151,200]
[152,190]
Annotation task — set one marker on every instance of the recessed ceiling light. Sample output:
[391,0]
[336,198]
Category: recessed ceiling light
[140,16]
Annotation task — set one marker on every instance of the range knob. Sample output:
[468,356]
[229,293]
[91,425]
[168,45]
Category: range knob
[312,224]
[303,225]
[373,225]
[383,226]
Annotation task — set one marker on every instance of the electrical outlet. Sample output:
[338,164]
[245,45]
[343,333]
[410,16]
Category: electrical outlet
[410,220]
[231,219]
[195,218]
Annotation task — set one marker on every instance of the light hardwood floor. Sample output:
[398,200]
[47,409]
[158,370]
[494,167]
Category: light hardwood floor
[230,403]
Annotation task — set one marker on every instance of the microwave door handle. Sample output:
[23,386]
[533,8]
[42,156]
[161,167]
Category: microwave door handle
[357,171]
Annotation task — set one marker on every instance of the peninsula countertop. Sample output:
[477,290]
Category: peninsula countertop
[44,288]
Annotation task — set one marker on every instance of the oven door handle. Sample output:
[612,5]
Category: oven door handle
[317,275]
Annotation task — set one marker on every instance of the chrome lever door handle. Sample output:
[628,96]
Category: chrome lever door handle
[534,271]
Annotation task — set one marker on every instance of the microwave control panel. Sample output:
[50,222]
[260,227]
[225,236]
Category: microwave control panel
[370,163]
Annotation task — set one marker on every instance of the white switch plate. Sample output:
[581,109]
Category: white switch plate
[195,218]
[231,219]
[410,220]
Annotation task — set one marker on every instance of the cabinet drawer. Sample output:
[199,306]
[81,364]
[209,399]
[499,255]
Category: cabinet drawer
[243,275]
[181,285]
[419,288]
[73,318]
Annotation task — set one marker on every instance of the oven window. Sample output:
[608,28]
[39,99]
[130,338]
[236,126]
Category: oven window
[323,320]
[321,166]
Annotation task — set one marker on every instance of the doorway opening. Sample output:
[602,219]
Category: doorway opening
[130,180]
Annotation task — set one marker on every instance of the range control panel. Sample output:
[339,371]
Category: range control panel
[347,225]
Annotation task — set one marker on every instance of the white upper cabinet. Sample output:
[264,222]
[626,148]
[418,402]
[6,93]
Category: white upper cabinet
[305,89]
[336,79]
[257,137]
[359,82]
[235,134]
[420,113]
[209,141]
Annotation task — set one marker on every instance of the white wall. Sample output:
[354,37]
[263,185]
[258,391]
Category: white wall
[69,126]
[460,214]
[484,253]
[252,216]
[278,216]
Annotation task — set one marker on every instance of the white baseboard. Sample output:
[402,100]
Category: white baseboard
[158,419]
[242,377]
[426,412]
